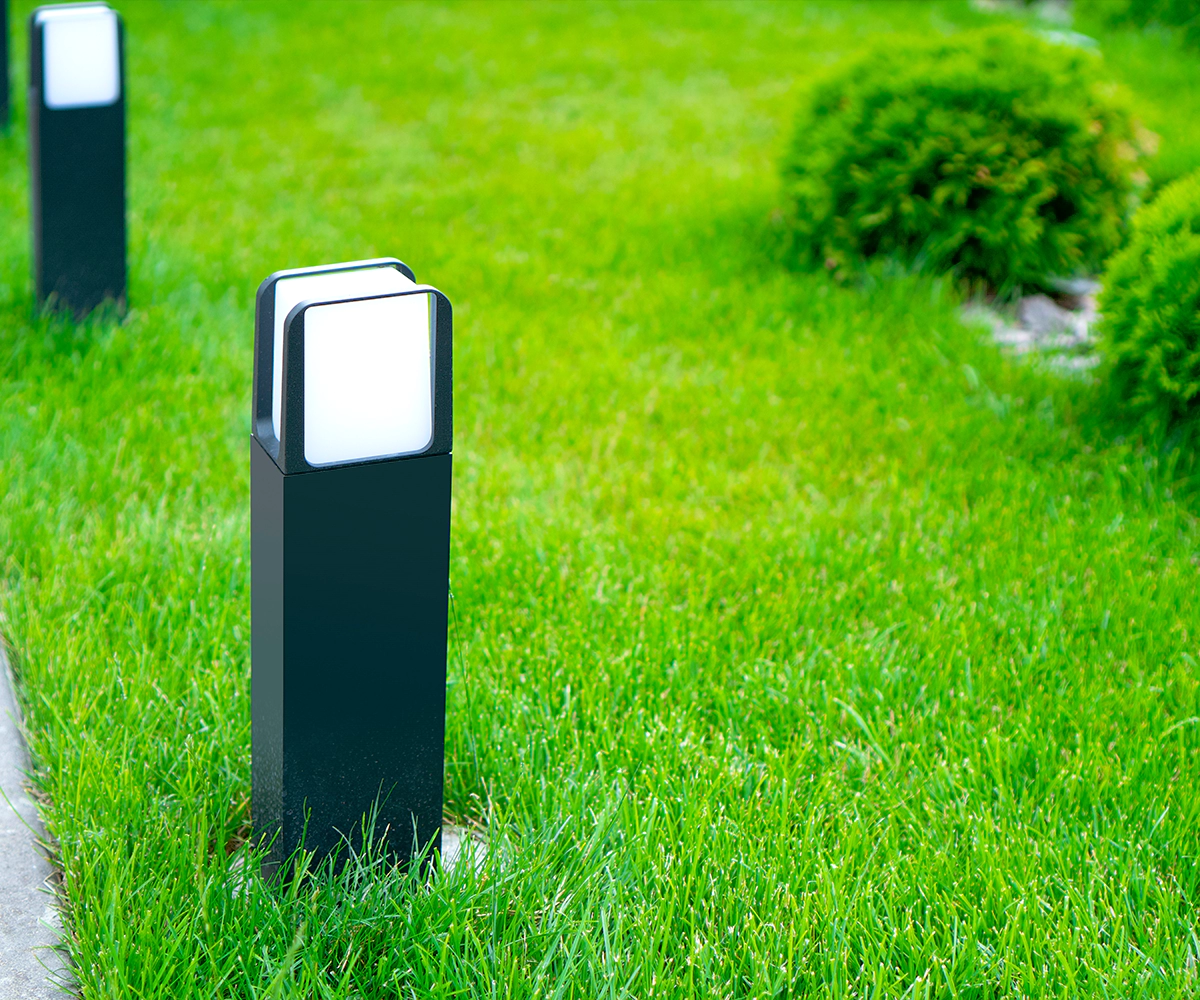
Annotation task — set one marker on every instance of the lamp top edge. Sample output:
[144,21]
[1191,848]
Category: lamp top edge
[349,265]
[53,12]
[304,304]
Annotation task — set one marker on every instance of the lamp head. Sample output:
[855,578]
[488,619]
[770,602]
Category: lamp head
[352,364]
[80,55]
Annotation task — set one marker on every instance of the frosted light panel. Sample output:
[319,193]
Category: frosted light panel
[290,292]
[81,67]
[368,379]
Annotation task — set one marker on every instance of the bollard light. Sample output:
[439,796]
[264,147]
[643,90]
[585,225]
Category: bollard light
[350,557]
[77,154]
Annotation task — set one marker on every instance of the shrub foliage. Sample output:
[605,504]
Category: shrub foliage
[1151,308]
[992,153]
[1181,14]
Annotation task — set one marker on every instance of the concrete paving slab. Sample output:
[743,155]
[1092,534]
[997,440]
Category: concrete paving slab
[30,965]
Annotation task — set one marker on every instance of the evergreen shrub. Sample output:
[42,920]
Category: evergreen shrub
[1180,14]
[1150,309]
[992,153]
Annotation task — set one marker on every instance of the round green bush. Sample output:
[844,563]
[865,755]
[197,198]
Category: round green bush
[992,153]
[1179,14]
[1150,309]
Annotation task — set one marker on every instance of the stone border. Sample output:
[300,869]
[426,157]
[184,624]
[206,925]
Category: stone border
[32,964]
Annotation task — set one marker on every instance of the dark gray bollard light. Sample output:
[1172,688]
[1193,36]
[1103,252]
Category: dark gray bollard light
[350,557]
[77,154]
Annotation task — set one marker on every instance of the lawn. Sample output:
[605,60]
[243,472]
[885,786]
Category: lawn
[803,645]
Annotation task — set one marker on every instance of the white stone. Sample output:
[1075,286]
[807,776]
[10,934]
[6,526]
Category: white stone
[1040,315]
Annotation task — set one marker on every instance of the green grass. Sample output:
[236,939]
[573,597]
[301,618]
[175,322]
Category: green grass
[809,647]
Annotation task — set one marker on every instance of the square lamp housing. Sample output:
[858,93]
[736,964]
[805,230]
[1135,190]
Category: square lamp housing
[350,474]
[77,154]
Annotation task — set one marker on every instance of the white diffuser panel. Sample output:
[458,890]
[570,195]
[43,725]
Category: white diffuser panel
[368,379]
[343,284]
[81,65]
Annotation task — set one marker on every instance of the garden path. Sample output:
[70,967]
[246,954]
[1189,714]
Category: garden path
[30,965]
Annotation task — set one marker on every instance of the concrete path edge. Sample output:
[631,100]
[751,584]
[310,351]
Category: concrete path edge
[32,965]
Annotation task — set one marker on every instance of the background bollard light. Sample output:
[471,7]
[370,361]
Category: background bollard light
[77,154]
[350,554]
